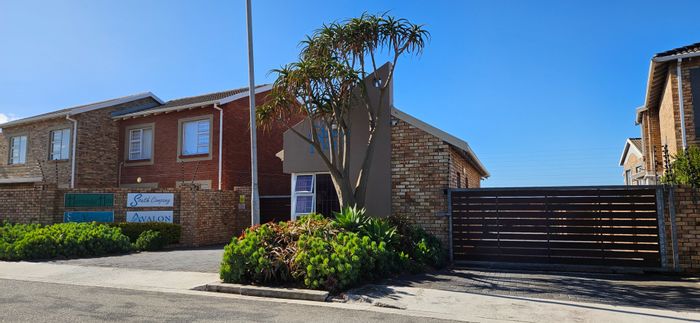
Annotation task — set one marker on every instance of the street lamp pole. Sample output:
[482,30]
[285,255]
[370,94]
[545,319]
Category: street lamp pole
[255,200]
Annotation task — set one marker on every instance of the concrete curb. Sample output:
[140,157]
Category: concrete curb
[260,291]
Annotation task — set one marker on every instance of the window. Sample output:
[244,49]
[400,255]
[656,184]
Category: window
[18,150]
[628,177]
[638,169]
[459,180]
[195,137]
[60,141]
[140,143]
[303,194]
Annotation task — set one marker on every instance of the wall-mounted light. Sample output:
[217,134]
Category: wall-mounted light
[138,180]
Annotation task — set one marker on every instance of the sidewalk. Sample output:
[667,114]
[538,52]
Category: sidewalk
[417,302]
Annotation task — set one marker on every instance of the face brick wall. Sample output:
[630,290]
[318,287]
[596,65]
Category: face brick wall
[96,149]
[166,170]
[687,207]
[38,164]
[469,177]
[207,217]
[420,171]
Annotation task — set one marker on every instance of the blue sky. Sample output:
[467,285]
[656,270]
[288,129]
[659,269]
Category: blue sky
[543,91]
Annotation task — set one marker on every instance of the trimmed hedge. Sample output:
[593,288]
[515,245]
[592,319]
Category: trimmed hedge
[169,232]
[68,240]
[149,240]
[319,253]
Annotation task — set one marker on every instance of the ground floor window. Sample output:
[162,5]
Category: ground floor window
[313,193]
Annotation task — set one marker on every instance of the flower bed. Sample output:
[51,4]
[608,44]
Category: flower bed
[319,253]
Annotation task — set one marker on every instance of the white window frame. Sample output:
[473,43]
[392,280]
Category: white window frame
[198,135]
[67,144]
[140,142]
[312,193]
[21,153]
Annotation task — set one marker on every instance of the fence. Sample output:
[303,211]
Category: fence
[207,216]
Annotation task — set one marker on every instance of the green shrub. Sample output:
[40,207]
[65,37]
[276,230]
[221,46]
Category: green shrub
[333,255]
[169,232]
[149,240]
[685,168]
[423,249]
[26,242]
[351,218]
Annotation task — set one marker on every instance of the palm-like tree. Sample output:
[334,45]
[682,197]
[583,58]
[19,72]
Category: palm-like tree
[326,83]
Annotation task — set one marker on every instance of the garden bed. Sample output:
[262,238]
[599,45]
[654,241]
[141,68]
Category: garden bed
[333,255]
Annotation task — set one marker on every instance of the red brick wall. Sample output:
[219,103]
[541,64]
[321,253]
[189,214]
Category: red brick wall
[207,217]
[166,170]
[460,167]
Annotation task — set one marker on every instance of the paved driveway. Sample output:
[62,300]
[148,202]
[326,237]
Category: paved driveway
[649,291]
[204,260]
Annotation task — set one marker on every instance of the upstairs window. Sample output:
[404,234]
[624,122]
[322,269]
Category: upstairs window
[60,141]
[196,137]
[18,150]
[140,143]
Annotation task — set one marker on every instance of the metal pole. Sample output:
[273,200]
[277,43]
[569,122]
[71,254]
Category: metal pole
[255,202]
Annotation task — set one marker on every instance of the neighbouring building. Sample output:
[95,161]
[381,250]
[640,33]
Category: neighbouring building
[42,148]
[413,165]
[669,118]
[140,141]
[632,163]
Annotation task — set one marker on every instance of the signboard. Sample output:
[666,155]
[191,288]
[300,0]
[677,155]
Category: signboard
[150,200]
[88,216]
[149,216]
[88,200]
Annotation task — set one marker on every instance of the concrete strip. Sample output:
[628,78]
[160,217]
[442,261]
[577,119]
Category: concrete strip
[493,308]
[261,291]
[105,276]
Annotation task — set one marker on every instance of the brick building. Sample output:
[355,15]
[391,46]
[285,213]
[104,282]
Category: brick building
[632,162]
[41,148]
[140,141]
[412,165]
[669,116]
[182,140]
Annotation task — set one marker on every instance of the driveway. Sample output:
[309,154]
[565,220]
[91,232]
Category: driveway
[204,260]
[648,291]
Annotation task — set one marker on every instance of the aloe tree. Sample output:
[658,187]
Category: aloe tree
[326,84]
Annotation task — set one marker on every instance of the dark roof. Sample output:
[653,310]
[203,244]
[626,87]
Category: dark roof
[694,48]
[205,97]
[637,143]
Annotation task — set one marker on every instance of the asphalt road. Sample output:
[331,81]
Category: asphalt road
[22,301]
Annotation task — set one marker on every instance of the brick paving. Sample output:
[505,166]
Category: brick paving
[650,291]
[205,260]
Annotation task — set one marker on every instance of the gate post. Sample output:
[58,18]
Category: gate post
[449,224]
[672,219]
[660,209]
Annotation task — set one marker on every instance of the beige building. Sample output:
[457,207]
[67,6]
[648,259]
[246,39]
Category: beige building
[632,162]
[669,116]
[413,164]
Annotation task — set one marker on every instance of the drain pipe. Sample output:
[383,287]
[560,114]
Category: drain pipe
[74,137]
[679,76]
[221,139]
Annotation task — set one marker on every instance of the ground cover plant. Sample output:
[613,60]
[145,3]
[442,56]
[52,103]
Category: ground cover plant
[63,240]
[169,232]
[329,254]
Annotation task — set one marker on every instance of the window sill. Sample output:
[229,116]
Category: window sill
[58,160]
[138,162]
[192,158]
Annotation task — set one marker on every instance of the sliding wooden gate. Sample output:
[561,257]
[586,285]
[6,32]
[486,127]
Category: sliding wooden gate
[604,226]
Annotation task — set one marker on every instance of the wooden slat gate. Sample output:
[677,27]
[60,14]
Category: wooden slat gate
[603,226]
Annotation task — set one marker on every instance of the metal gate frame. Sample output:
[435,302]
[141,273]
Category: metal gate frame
[661,218]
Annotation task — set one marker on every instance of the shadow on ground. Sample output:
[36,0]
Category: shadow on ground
[640,290]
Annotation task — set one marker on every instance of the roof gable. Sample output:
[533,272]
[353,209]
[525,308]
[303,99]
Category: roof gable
[632,145]
[446,137]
